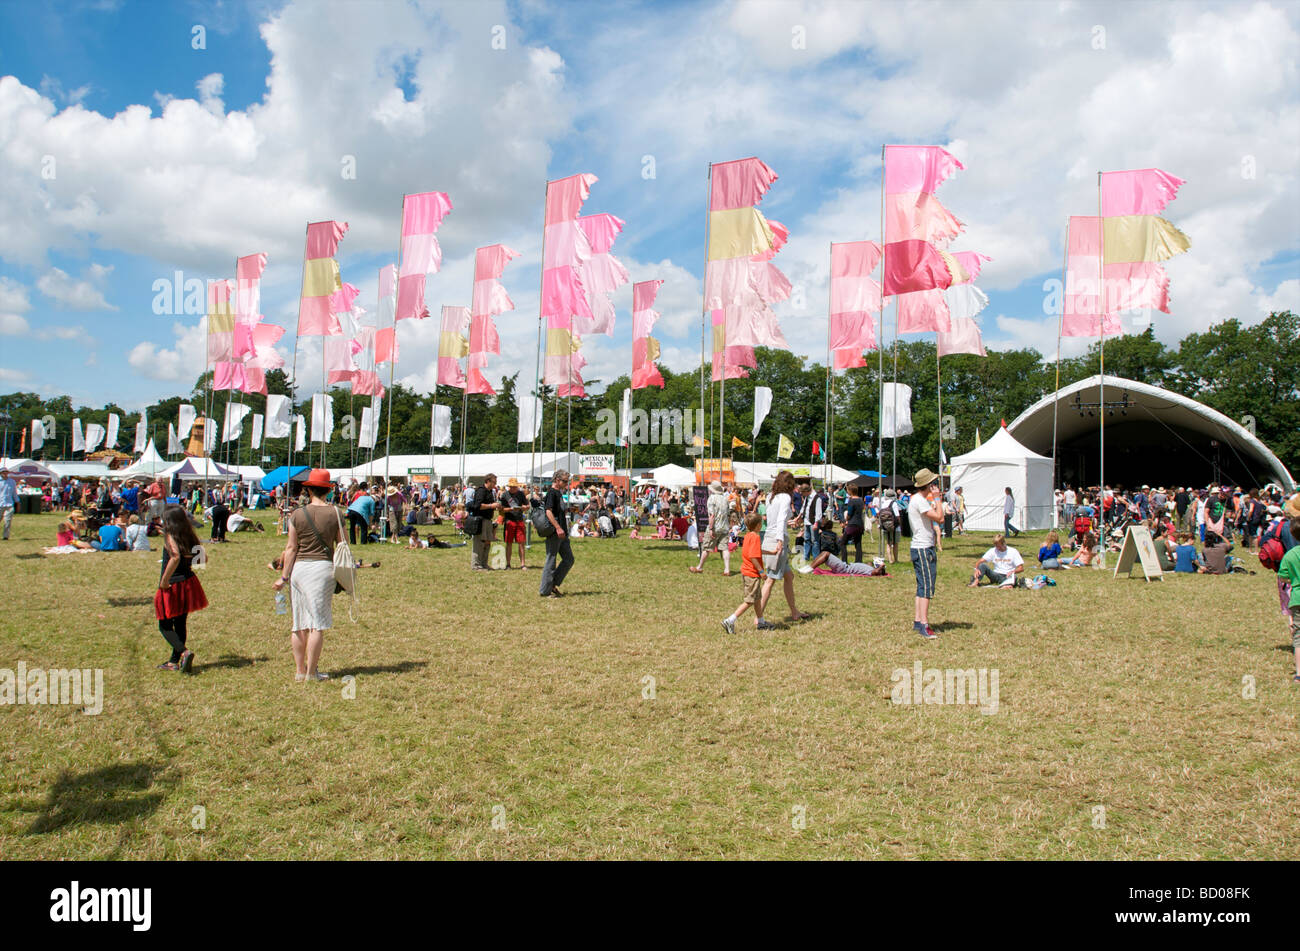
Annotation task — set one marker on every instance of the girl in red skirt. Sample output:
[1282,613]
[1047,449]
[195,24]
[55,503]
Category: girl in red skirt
[179,591]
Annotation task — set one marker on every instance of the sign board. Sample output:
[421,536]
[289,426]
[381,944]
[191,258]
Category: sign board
[595,465]
[700,495]
[1139,547]
[706,470]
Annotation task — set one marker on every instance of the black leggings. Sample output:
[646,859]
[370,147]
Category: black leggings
[355,521]
[854,534]
[173,630]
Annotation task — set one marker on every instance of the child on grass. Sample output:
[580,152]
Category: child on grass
[751,573]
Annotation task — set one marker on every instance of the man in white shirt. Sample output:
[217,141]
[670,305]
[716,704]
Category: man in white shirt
[1000,564]
[924,513]
[1069,504]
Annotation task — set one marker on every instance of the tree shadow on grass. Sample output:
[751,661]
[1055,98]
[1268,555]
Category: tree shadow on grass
[111,794]
[405,667]
[230,662]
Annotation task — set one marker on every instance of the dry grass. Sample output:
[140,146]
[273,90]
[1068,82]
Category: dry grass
[472,694]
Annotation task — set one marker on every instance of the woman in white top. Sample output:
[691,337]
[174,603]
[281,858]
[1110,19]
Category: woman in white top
[137,536]
[776,545]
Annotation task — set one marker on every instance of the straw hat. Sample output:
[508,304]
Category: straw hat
[715,487]
[924,478]
[1292,507]
[512,483]
[318,478]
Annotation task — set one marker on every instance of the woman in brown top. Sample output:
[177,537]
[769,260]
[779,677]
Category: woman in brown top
[314,530]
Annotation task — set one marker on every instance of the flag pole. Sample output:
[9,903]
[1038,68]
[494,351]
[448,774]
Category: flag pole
[1101,344]
[293,382]
[880,358]
[538,405]
[1060,328]
[830,373]
[938,380]
[704,313]
[392,369]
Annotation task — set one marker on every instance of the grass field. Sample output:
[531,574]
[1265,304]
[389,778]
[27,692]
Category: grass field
[488,723]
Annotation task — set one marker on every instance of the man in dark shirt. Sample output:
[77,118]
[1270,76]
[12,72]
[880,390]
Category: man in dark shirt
[557,545]
[484,505]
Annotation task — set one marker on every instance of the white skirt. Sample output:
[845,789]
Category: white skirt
[312,592]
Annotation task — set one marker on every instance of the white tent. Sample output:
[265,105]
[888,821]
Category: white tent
[149,464]
[984,474]
[504,465]
[81,470]
[764,473]
[20,469]
[670,476]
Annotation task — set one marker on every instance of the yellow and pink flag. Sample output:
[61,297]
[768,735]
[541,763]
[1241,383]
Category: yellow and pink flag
[323,292]
[645,348]
[564,295]
[453,344]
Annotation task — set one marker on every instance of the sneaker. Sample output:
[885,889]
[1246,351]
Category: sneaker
[165,665]
[929,633]
[187,662]
[729,625]
[765,626]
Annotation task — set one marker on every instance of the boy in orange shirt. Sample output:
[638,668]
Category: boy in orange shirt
[751,573]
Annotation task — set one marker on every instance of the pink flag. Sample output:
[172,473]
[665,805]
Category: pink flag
[1139,192]
[386,345]
[453,345]
[602,273]
[321,282]
[923,311]
[366,383]
[565,196]
[228,375]
[421,255]
[855,296]
[739,183]
[645,349]
[254,380]
[963,338]
[917,168]
[848,359]
[248,277]
[1120,285]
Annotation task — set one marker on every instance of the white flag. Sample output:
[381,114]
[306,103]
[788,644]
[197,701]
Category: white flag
[300,442]
[94,436]
[369,429]
[762,406]
[625,418]
[173,441]
[530,419]
[50,430]
[895,410]
[185,420]
[440,432]
[257,431]
[277,416]
[78,439]
[322,417]
[38,434]
[233,427]
[114,421]
[140,427]
[209,436]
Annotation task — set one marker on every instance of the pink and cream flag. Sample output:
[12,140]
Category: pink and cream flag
[738,276]
[963,338]
[729,360]
[645,348]
[490,298]
[602,273]
[323,291]
[452,345]
[421,255]
[564,297]
[855,298]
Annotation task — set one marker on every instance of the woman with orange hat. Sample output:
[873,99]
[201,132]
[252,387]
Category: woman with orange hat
[308,567]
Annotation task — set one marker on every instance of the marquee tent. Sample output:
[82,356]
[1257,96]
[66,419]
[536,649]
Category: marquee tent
[764,473]
[277,477]
[149,464]
[80,470]
[505,465]
[984,474]
[199,467]
[670,476]
[20,469]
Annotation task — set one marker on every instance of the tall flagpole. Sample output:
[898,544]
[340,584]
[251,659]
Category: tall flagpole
[1060,327]
[1101,344]
[538,405]
[469,368]
[880,357]
[704,317]
[392,365]
[938,379]
[830,372]
[293,383]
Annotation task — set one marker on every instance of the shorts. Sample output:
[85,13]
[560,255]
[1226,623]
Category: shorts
[515,532]
[923,563]
[753,587]
[777,566]
[715,541]
[1284,596]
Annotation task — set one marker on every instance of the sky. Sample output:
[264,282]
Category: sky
[146,142]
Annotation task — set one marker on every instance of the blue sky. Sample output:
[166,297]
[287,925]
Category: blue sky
[243,141]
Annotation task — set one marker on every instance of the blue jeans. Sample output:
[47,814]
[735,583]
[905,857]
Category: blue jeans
[812,545]
[1007,527]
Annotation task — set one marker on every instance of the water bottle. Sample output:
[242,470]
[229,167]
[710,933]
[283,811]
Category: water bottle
[281,602]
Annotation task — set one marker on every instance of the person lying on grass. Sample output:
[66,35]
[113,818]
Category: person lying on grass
[1000,564]
[832,563]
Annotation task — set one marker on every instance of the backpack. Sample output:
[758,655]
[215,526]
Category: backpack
[886,517]
[1270,547]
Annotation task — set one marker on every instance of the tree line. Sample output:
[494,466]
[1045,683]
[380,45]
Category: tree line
[1240,371]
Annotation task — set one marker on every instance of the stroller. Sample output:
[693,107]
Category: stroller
[606,524]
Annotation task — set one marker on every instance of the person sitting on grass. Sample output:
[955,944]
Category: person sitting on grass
[1186,560]
[1215,554]
[239,522]
[112,536]
[1087,553]
[1049,556]
[67,535]
[1000,564]
[827,559]
[751,573]
[137,536]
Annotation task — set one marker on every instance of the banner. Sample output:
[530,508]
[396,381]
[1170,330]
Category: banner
[78,438]
[114,421]
[140,437]
[258,422]
[38,434]
[530,418]
[185,420]
[277,417]
[322,417]
[762,406]
[895,410]
[595,465]
[174,445]
[784,447]
[440,428]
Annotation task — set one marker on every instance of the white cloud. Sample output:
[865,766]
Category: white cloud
[210,88]
[184,362]
[14,325]
[74,294]
[14,376]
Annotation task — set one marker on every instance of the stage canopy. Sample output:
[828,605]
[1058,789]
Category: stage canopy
[1158,438]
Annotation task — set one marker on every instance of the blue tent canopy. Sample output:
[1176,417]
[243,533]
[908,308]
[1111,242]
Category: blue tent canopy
[872,473]
[282,475]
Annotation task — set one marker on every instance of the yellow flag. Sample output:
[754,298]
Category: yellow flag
[784,448]
[737,443]
[699,441]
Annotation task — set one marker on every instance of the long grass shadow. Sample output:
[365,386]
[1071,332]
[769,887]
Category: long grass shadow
[1284,648]
[134,602]
[952,626]
[30,556]
[111,794]
[405,667]
[229,662]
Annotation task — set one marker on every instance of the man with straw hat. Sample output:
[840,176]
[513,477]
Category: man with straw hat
[718,531]
[925,513]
